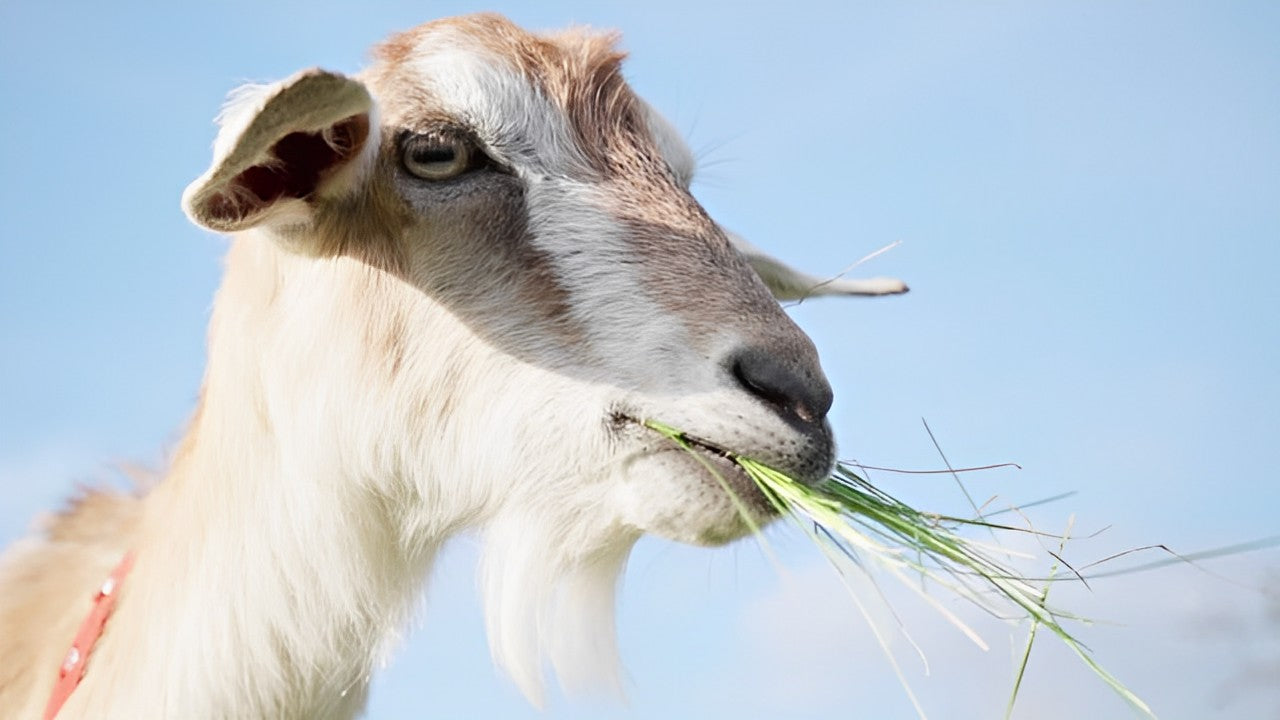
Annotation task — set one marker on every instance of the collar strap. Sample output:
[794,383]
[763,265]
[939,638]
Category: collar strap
[73,666]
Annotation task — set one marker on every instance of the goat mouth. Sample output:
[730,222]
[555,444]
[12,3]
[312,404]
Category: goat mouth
[714,460]
[676,436]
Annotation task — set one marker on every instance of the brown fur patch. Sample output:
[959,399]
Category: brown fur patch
[394,342]
[578,70]
[368,225]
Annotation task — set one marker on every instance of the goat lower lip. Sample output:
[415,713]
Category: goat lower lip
[724,468]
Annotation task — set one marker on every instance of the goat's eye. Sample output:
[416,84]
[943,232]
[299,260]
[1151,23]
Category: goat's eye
[432,157]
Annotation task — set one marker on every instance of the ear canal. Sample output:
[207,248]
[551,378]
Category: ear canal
[280,146]
[787,283]
[296,164]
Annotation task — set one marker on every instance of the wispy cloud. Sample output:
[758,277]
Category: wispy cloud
[1193,644]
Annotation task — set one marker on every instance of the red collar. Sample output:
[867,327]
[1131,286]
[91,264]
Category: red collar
[73,667]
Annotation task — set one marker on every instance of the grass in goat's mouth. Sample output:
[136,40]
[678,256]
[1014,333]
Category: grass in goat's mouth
[846,516]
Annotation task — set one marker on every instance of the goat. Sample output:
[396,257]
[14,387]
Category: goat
[458,283]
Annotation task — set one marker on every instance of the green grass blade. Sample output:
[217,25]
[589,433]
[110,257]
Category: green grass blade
[859,519]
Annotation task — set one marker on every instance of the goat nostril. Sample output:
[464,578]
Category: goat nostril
[754,386]
[804,396]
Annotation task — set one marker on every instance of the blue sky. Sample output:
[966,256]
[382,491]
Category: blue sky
[1088,200]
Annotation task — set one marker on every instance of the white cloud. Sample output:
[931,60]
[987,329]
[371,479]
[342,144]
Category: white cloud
[1192,644]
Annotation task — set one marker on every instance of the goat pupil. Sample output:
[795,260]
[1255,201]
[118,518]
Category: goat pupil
[434,155]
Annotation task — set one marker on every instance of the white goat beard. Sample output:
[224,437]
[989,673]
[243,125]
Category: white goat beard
[549,578]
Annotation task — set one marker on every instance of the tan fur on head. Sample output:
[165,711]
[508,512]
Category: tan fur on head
[578,70]
[396,356]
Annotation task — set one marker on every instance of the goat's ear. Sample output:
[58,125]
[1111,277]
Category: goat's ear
[283,146]
[787,283]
